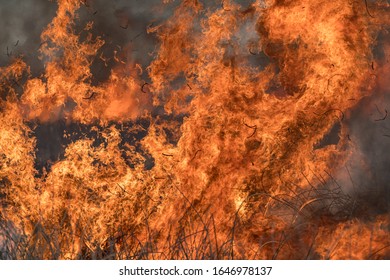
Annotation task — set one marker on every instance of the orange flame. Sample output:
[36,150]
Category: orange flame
[228,160]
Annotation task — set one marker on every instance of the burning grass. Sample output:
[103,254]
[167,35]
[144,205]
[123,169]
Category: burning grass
[241,138]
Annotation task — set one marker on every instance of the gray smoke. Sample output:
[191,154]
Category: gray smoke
[366,175]
[119,22]
[22,22]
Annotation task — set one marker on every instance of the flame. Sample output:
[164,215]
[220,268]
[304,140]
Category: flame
[215,150]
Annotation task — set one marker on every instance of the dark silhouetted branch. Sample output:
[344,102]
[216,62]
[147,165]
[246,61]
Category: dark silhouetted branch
[124,27]
[142,87]
[196,153]
[167,155]
[330,110]
[91,96]
[384,117]
[368,11]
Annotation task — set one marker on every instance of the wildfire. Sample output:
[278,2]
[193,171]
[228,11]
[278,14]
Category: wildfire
[244,137]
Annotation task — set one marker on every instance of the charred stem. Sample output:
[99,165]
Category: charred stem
[368,11]
[143,86]
[91,96]
[254,127]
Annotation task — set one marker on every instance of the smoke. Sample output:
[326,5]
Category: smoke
[22,23]
[120,23]
[366,175]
